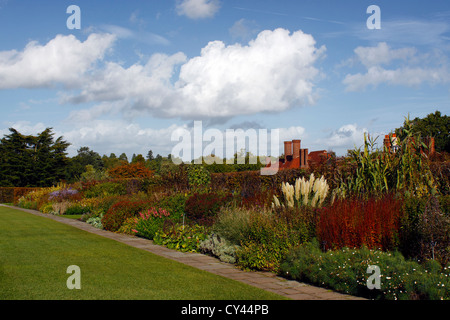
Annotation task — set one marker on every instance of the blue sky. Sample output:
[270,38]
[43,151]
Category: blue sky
[137,71]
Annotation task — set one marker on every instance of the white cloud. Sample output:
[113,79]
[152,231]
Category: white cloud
[63,60]
[291,133]
[141,36]
[345,138]
[106,136]
[274,72]
[197,9]
[382,54]
[402,66]
[24,127]
[416,32]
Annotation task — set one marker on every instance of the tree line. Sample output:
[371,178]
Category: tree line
[41,160]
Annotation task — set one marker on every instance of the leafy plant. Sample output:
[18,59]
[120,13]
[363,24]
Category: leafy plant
[267,240]
[375,172]
[150,221]
[185,238]
[76,209]
[105,189]
[198,176]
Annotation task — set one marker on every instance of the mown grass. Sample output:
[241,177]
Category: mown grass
[35,253]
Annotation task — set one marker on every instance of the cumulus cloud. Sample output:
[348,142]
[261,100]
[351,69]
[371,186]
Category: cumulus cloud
[410,69]
[197,9]
[274,72]
[63,60]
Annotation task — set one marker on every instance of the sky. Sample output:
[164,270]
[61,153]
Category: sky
[135,72]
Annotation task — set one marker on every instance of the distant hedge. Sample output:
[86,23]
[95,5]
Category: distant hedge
[12,194]
[248,181]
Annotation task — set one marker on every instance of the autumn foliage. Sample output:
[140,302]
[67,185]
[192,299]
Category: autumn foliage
[132,170]
[353,223]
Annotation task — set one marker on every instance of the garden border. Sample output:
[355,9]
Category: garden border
[264,280]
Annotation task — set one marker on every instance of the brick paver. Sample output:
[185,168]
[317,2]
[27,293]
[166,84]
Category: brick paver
[264,280]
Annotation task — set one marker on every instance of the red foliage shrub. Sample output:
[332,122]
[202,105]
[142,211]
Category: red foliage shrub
[374,223]
[132,170]
[202,208]
[122,210]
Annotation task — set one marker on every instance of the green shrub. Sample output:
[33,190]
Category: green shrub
[233,224]
[105,189]
[410,235]
[175,204]
[425,229]
[150,221]
[346,270]
[76,208]
[198,176]
[268,240]
[183,238]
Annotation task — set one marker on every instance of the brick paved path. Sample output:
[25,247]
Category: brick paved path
[264,280]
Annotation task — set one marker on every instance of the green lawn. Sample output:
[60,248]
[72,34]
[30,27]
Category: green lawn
[35,253]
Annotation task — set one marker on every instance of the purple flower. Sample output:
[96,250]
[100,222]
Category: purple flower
[62,194]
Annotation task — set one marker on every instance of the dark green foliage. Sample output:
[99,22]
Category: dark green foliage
[198,176]
[76,209]
[184,238]
[425,229]
[32,161]
[175,204]
[105,189]
[77,165]
[433,125]
[345,270]
[268,238]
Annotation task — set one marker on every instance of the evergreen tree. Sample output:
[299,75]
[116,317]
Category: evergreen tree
[85,156]
[32,161]
[123,157]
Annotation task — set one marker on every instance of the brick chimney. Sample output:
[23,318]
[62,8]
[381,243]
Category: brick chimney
[288,149]
[296,148]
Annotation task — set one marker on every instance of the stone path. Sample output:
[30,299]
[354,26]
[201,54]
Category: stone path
[265,280]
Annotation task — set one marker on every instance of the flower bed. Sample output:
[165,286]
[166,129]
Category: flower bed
[299,228]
